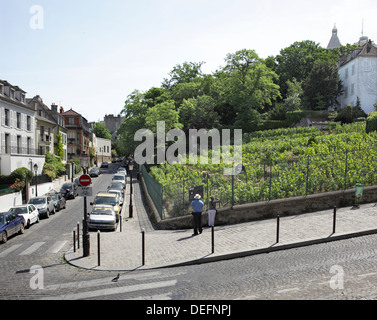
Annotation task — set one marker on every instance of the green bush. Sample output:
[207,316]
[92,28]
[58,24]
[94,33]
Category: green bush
[371,122]
[21,174]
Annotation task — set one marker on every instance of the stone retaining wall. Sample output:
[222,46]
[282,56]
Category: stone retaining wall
[267,209]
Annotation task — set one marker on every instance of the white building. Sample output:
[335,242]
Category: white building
[18,147]
[358,73]
[103,150]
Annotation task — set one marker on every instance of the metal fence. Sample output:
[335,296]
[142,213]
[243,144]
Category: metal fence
[302,176]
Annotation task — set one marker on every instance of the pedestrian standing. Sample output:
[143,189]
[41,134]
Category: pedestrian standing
[212,211]
[197,210]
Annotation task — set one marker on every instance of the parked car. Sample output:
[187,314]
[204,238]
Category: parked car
[59,201]
[104,198]
[116,186]
[119,177]
[69,190]
[119,193]
[10,224]
[104,164]
[44,204]
[122,170]
[29,212]
[95,172]
[103,217]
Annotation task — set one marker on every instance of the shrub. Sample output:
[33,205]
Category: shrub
[371,122]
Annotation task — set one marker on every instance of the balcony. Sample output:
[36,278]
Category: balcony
[14,150]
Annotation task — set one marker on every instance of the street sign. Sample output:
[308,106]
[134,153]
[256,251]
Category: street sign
[85,191]
[85,180]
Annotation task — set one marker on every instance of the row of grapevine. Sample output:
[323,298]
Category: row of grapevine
[278,164]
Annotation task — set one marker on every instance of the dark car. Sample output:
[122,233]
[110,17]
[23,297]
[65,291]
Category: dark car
[104,164]
[59,201]
[10,224]
[95,172]
[69,190]
[116,186]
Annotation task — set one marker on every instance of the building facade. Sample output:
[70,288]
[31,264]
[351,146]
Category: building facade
[358,72]
[78,137]
[18,146]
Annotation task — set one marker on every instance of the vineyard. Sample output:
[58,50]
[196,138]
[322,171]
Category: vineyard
[278,164]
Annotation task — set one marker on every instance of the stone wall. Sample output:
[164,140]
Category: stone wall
[268,209]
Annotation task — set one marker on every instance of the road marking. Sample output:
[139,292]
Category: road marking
[165,296]
[112,291]
[101,282]
[57,247]
[9,250]
[367,274]
[288,290]
[32,248]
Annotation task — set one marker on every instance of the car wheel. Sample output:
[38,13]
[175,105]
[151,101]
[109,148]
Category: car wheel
[48,214]
[4,237]
[53,211]
[28,224]
[37,218]
[22,229]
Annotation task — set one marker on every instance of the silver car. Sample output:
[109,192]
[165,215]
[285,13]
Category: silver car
[103,217]
[44,204]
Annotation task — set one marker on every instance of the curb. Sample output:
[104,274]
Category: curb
[69,258]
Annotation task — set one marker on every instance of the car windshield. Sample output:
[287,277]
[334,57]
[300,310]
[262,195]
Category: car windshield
[2,219]
[54,197]
[105,200]
[102,211]
[37,200]
[20,210]
[119,178]
[66,186]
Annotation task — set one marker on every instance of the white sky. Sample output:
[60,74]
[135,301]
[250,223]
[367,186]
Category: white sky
[90,54]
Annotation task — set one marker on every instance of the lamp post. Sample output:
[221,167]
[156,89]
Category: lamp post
[36,179]
[130,168]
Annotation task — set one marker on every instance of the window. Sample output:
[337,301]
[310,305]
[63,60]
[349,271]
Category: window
[28,145]
[71,121]
[28,123]
[18,120]
[7,118]
[7,149]
[352,89]
[19,144]
[346,74]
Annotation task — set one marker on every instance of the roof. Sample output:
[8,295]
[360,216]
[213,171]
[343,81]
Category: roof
[368,49]
[334,41]
[71,112]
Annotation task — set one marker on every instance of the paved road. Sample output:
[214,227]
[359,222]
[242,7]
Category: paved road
[338,270]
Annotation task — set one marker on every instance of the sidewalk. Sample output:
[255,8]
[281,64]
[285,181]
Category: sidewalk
[122,251]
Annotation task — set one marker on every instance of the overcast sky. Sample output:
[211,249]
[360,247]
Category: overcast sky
[89,55]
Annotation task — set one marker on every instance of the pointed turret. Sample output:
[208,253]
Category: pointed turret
[334,41]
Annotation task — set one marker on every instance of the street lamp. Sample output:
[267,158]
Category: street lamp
[36,179]
[130,168]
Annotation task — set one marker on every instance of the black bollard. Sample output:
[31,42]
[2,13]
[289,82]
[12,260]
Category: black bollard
[74,241]
[99,247]
[213,239]
[334,221]
[278,229]
[143,246]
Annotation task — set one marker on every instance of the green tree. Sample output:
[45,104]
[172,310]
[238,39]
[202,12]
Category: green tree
[100,130]
[164,111]
[246,84]
[199,113]
[322,87]
[59,145]
[184,73]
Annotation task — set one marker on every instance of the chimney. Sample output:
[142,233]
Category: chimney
[54,107]
[61,110]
